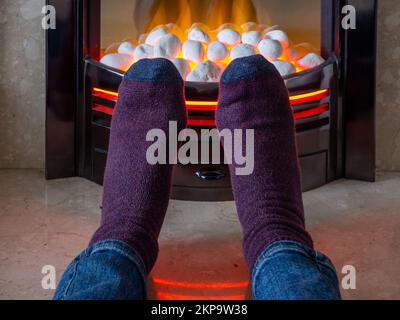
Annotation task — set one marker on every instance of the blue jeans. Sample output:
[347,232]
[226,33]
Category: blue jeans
[112,270]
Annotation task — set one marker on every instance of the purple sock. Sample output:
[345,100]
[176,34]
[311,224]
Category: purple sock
[269,201]
[136,194]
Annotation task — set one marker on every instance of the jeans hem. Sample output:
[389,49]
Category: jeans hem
[294,246]
[122,248]
[118,246]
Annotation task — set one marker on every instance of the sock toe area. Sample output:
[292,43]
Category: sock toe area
[153,70]
[246,67]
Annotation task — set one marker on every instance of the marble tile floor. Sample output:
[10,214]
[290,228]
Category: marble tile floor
[49,222]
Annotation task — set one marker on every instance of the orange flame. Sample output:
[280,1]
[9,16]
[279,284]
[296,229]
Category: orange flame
[212,13]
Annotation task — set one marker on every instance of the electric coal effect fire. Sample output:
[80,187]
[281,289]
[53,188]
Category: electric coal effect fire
[329,73]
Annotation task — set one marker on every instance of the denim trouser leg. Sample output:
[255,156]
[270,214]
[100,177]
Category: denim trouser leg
[288,270]
[109,270]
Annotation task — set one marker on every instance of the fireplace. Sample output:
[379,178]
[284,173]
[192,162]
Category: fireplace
[333,100]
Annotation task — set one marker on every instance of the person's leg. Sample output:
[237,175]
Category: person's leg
[269,201]
[135,197]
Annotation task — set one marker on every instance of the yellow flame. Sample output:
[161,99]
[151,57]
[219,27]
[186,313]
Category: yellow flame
[212,13]
[243,11]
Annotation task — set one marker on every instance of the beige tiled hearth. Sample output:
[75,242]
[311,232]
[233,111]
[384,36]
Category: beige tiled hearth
[49,222]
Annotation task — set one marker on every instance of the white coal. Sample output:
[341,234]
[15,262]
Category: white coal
[310,61]
[142,38]
[249,26]
[193,51]
[127,47]
[271,28]
[197,34]
[121,61]
[144,51]
[155,35]
[280,36]
[252,37]
[183,66]
[167,47]
[242,50]
[217,51]
[229,37]
[206,71]
[270,49]
[284,68]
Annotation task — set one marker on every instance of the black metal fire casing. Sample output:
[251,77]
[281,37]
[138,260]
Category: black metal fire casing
[61,104]
[358,58]
[209,182]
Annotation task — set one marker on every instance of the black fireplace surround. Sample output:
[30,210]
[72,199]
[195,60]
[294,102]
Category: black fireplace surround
[334,104]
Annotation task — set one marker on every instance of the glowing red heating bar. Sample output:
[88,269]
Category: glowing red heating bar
[103,109]
[201,105]
[201,122]
[309,97]
[311,112]
[294,100]
[105,94]
[212,105]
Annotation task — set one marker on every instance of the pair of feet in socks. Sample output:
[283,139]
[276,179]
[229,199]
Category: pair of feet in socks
[136,194]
